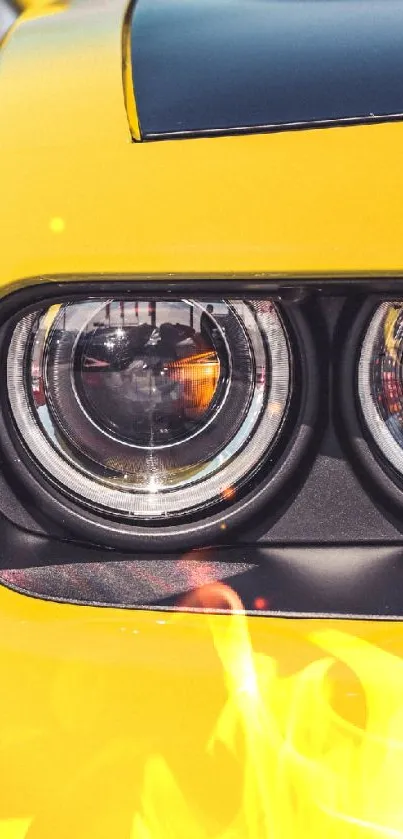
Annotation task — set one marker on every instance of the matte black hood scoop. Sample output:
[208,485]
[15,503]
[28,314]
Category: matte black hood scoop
[231,66]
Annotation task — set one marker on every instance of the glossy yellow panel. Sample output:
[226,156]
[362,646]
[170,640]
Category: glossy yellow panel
[142,724]
[34,5]
[79,196]
[29,4]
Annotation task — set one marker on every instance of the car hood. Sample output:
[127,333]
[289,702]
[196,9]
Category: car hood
[80,197]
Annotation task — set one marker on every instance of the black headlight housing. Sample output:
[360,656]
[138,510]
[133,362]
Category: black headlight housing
[152,420]
[313,527]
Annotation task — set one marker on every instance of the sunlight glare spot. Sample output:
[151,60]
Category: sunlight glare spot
[57,225]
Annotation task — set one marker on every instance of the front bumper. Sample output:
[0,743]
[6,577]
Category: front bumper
[143,723]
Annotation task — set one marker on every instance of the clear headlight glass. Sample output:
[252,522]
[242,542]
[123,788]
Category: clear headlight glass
[380,381]
[148,409]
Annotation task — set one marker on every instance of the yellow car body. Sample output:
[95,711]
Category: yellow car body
[124,724]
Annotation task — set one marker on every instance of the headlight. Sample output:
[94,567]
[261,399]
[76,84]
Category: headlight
[380,381]
[150,410]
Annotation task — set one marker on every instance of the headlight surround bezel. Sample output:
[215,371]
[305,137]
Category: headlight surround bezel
[264,487]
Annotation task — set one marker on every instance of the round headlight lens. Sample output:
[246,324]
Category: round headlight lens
[380,381]
[146,408]
[150,386]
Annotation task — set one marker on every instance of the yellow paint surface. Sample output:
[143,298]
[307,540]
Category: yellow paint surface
[33,4]
[140,725]
[146,724]
[299,202]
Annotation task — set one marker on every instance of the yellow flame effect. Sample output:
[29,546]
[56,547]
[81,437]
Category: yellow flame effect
[307,770]
[144,725]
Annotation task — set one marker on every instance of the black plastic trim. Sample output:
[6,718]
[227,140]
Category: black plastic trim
[312,581]
[283,287]
[269,128]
